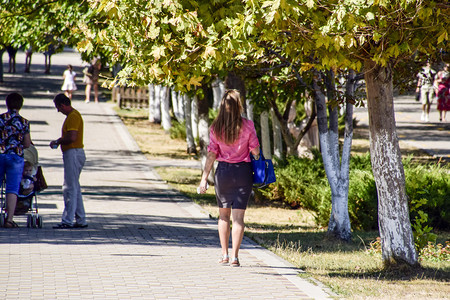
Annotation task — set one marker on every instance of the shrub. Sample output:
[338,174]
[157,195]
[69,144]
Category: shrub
[302,182]
[432,183]
[178,130]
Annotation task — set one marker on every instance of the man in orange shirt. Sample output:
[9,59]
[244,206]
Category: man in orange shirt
[71,142]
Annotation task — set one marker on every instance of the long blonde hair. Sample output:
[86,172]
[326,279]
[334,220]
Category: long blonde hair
[228,122]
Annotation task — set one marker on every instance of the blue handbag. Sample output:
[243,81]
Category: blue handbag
[263,171]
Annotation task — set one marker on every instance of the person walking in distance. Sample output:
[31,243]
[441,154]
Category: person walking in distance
[71,142]
[14,137]
[91,76]
[69,85]
[442,82]
[232,138]
[426,89]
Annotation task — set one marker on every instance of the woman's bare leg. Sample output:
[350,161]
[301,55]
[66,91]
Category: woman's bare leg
[224,228]
[238,230]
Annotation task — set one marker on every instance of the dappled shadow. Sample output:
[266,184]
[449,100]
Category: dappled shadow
[123,194]
[120,229]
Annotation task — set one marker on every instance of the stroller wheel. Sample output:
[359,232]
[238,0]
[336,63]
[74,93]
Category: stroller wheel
[28,221]
[2,220]
[39,221]
[33,221]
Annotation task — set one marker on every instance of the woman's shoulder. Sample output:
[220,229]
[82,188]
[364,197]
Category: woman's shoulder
[247,122]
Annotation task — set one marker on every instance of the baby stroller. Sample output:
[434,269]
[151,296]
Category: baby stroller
[27,202]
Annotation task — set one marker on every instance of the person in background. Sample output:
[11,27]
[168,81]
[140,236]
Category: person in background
[69,85]
[12,51]
[91,76]
[28,54]
[426,89]
[442,83]
[71,142]
[232,138]
[14,138]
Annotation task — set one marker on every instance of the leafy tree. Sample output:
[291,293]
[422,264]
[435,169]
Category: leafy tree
[373,36]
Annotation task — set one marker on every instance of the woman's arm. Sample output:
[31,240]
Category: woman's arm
[210,158]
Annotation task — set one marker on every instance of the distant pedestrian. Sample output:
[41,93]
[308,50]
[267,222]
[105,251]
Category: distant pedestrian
[28,54]
[14,138]
[443,92]
[232,138]
[426,89]
[12,51]
[48,58]
[71,142]
[69,85]
[91,75]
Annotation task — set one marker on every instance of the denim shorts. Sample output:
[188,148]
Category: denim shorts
[11,165]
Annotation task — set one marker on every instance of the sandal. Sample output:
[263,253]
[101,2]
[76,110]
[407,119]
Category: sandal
[224,260]
[11,224]
[235,262]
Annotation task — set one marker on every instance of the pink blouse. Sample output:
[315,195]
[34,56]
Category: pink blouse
[239,151]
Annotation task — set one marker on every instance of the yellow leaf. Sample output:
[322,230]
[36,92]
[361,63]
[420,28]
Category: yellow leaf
[158,52]
[209,51]
[442,37]
[195,80]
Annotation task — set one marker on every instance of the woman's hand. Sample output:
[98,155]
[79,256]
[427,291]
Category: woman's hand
[203,186]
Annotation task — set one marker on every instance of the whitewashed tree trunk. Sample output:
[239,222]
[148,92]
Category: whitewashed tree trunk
[337,173]
[218,91]
[180,107]
[189,136]
[194,117]
[265,134]
[277,137]
[203,135]
[176,106]
[151,103]
[156,107]
[165,109]
[397,241]
[249,109]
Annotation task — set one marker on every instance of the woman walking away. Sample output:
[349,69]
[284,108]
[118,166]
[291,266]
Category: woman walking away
[69,85]
[232,138]
[14,137]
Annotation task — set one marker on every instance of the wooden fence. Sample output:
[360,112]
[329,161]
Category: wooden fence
[130,97]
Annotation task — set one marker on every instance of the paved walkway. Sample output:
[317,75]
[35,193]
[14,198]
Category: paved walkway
[144,240]
[433,136]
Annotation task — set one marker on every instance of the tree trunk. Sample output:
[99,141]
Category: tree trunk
[151,103]
[249,110]
[277,138]
[203,127]
[156,108]
[177,105]
[265,134]
[337,175]
[218,91]
[397,241]
[165,109]
[189,136]
[194,117]
[1,65]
